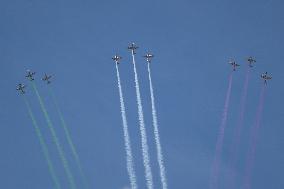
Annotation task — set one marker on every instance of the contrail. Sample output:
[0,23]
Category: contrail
[157,135]
[55,140]
[69,139]
[253,141]
[127,143]
[219,145]
[238,131]
[43,146]
[145,148]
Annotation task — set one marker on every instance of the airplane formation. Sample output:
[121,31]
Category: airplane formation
[251,61]
[30,76]
[148,56]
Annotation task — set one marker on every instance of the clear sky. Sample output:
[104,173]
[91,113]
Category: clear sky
[192,41]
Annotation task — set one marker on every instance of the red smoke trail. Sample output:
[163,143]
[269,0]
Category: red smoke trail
[218,151]
[238,131]
[253,142]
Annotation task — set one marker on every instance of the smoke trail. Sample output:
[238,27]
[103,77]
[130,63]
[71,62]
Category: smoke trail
[253,142]
[55,140]
[43,146]
[127,144]
[145,148]
[238,131]
[69,139]
[157,135]
[219,144]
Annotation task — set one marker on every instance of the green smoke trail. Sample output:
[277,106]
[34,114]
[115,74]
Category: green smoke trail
[55,140]
[69,139]
[43,146]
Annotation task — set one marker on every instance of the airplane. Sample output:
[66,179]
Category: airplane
[266,77]
[21,88]
[133,47]
[251,60]
[116,58]
[148,57]
[47,78]
[30,75]
[234,64]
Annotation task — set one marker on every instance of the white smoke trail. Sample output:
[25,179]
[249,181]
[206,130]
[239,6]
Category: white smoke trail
[127,143]
[145,148]
[157,135]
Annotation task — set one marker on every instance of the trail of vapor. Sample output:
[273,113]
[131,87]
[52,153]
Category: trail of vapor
[238,131]
[69,139]
[55,140]
[219,145]
[43,146]
[157,135]
[127,143]
[145,148]
[253,142]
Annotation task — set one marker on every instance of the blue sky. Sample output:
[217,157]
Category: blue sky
[192,42]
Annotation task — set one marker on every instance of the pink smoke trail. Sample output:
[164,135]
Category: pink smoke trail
[219,145]
[253,141]
[238,131]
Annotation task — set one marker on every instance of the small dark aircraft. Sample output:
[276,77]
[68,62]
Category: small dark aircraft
[47,78]
[133,47]
[149,57]
[116,58]
[21,88]
[30,75]
[266,77]
[234,64]
[251,60]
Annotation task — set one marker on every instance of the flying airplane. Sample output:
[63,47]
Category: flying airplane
[116,58]
[148,57]
[47,78]
[251,60]
[266,77]
[30,75]
[234,64]
[133,47]
[21,88]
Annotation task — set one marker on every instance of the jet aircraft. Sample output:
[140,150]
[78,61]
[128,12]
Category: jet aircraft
[251,61]
[234,64]
[149,57]
[47,78]
[265,77]
[30,75]
[21,88]
[133,47]
[116,58]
